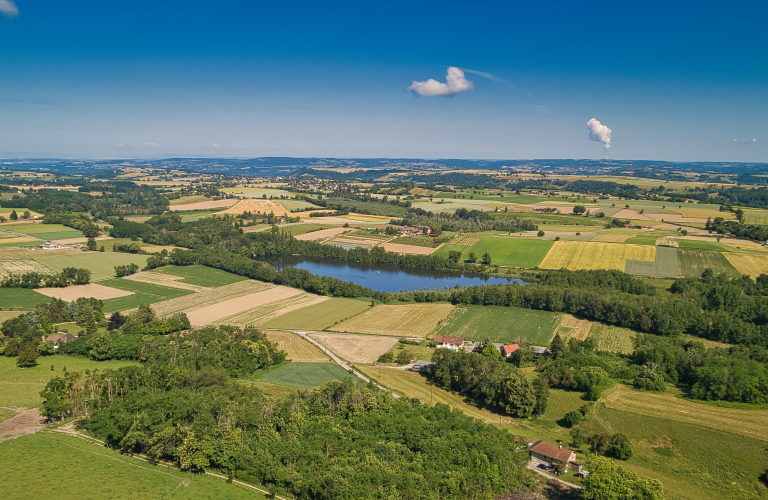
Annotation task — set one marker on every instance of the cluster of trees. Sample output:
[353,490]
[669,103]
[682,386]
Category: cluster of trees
[468,221]
[126,270]
[128,229]
[33,279]
[79,221]
[747,231]
[490,381]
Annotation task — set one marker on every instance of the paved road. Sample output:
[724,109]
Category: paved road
[554,478]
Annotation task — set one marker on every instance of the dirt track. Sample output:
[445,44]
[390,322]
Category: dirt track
[27,421]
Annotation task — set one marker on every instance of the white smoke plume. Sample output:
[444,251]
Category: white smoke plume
[9,8]
[600,133]
[455,82]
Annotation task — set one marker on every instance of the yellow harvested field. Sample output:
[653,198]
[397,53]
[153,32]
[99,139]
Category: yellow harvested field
[232,307]
[675,218]
[322,234]
[18,239]
[298,349]
[357,241]
[571,327]
[355,348]
[8,267]
[368,218]
[209,297]
[411,320]
[254,205]
[411,249]
[576,255]
[746,245]
[188,200]
[702,213]
[748,264]
[423,192]
[76,291]
[16,253]
[204,205]
[163,279]
[266,311]
[415,385]
[628,213]
[749,423]
[612,238]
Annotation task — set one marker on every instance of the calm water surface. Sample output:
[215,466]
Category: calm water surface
[388,277]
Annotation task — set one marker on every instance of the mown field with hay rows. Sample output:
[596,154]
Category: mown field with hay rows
[412,320]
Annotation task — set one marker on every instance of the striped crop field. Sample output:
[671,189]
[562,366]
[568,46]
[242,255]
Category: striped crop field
[465,239]
[665,266]
[411,320]
[101,264]
[298,349]
[9,267]
[575,255]
[613,338]
[518,252]
[748,264]
[260,314]
[354,347]
[694,262]
[209,297]
[500,324]
[163,279]
[305,375]
[319,316]
[612,238]
[571,327]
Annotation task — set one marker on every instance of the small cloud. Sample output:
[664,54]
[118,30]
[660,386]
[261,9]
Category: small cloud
[9,8]
[151,144]
[455,82]
[216,145]
[272,146]
[750,141]
[236,145]
[599,133]
[119,145]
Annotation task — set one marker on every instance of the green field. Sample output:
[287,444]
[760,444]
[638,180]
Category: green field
[20,299]
[509,251]
[693,263]
[444,250]
[101,264]
[665,266]
[305,375]
[700,245]
[755,217]
[613,338]
[642,240]
[46,231]
[202,275]
[142,293]
[319,316]
[22,386]
[67,467]
[500,324]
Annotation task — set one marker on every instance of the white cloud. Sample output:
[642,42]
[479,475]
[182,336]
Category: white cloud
[454,83]
[119,145]
[750,141]
[9,8]
[151,144]
[599,133]
[216,145]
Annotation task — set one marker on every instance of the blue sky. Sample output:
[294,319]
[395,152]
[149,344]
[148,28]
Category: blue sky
[672,80]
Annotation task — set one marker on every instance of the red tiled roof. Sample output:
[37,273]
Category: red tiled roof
[447,339]
[510,348]
[550,450]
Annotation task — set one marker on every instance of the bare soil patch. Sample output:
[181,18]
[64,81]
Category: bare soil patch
[262,206]
[322,234]
[628,213]
[76,291]
[204,205]
[27,421]
[221,310]
[355,348]
[412,249]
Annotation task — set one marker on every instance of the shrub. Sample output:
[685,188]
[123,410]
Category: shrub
[619,447]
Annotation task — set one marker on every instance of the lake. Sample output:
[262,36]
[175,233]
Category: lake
[388,277]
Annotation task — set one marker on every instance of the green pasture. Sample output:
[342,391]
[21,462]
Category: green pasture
[20,299]
[202,275]
[701,245]
[665,266]
[66,467]
[22,386]
[694,262]
[101,264]
[249,192]
[755,217]
[319,316]
[500,324]
[142,293]
[445,250]
[511,251]
[642,240]
[47,232]
[305,375]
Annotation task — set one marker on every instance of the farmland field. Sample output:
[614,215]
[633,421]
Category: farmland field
[255,205]
[270,310]
[512,251]
[356,348]
[101,264]
[20,299]
[22,386]
[74,292]
[157,277]
[407,249]
[613,338]
[298,349]
[500,324]
[243,307]
[319,316]
[142,292]
[93,471]
[305,375]
[755,217]
[642,240]
[616,238]
[748,264]
[46,231]
[8,267]
[195,301]
[577,255]
[699,245]
[572,327]
[202,275]
[693,263]
[665,266]
[445,250]
[413,320]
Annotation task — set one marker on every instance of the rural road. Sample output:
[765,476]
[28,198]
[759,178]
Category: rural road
[539,471]
[305,335]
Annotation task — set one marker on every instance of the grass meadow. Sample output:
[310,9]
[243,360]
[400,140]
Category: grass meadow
[142,293]
[101,264]
[319,316]
[444,251]
[700,245]
[500,324]
[613,338]
[66,467]
[409,320]
[666,265]
[22,386]
[202,275]
[749,264]
[305,375]
[694,262]
[507,251]
[20,299]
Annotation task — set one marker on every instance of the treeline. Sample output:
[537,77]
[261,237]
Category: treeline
[78,221]
[468,221]
[603,279]
[750,232]
[32,279]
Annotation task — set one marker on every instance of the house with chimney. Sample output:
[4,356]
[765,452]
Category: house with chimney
[449,342]
[548,453]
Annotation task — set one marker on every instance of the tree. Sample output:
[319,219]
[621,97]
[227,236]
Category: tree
[116,321]
[577,437]
[454,255]
[404,357]
[471,257]
[579,209]
[82,276]
[557,346]
[598,442]
[26,214]
[573,418]
[619,447]
[387,357]
[490,350]
[541,392]
[486,259]
[27,356]
[14,215]
[91,244]
[540,233]
[607,480]
[517,398]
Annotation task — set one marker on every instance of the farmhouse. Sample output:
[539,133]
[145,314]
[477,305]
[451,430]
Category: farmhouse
[60,338]
[449,342]
[548,453]
[507,350]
